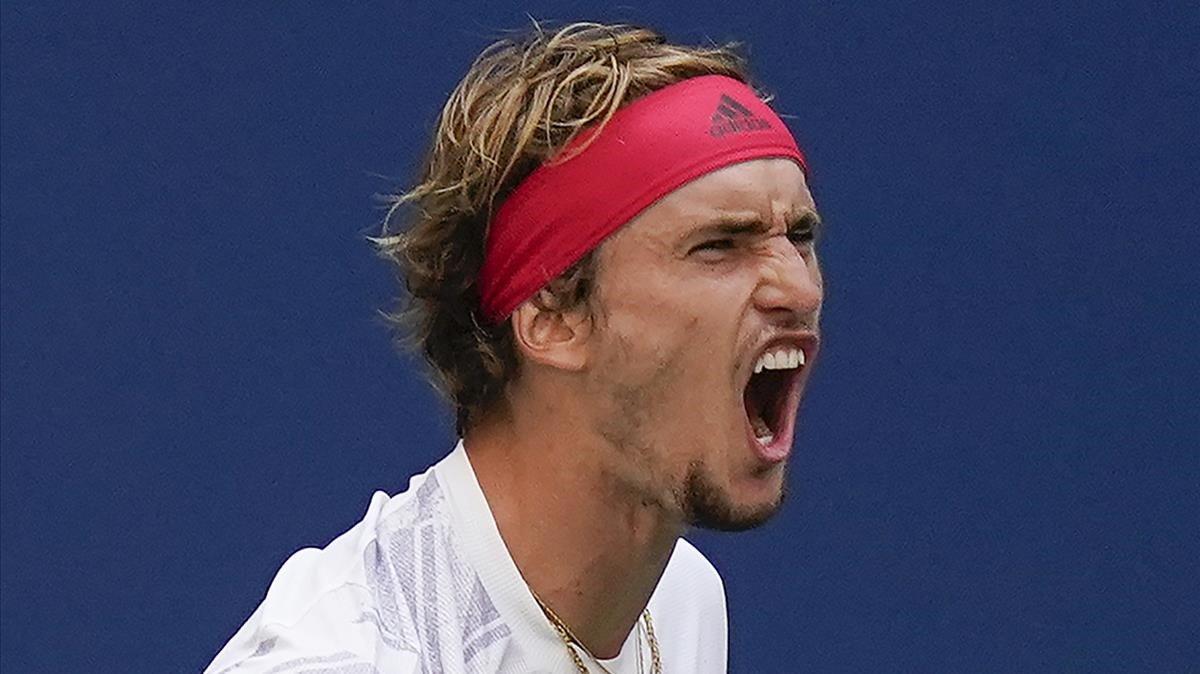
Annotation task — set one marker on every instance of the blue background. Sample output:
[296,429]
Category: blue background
[997,468]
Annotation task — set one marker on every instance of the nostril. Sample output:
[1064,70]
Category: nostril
[790,289]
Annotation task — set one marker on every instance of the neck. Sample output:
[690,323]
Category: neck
[590,549]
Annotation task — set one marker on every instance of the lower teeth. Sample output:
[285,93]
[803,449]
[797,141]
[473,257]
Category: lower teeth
[761,430]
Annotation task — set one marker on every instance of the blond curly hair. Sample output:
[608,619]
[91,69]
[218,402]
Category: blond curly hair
[520,103]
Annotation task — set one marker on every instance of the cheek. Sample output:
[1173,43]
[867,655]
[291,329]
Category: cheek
[673,338]
[652,327]
[814,269]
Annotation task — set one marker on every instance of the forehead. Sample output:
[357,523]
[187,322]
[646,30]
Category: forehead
[771,191]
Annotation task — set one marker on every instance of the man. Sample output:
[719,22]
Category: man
[612,272]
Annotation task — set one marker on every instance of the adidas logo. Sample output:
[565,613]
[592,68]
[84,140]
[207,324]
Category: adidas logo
[733,117]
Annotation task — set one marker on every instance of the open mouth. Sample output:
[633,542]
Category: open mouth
[772,395]
[765,397]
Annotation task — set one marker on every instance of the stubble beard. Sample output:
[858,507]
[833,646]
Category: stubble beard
[706,506]
[697,498]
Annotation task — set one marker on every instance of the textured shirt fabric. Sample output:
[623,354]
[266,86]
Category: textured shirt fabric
[424,583]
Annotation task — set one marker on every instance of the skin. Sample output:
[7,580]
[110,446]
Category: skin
[626,424]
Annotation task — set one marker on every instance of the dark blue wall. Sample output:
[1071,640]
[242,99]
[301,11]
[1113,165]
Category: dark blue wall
[997,468]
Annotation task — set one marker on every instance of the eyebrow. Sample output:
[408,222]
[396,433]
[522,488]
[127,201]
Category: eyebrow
[736,226]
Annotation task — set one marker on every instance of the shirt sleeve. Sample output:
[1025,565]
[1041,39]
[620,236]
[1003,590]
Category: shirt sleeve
[320,615]
[332,637]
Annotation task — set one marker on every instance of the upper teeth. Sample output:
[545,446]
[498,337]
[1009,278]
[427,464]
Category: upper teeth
[782,358]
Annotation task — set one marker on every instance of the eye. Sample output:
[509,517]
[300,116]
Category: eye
[714,244]
[801,236]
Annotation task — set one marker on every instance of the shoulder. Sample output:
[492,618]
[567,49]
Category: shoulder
[691,587]
[689,573]
[322,608]
[689,611]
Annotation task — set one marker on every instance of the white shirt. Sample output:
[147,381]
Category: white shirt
[424,583]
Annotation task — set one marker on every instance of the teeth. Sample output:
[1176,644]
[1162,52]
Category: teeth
[784,358]
[762,431]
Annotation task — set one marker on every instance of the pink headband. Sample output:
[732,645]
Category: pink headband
[648,149]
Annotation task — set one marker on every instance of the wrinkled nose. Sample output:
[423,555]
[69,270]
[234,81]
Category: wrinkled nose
[790,289]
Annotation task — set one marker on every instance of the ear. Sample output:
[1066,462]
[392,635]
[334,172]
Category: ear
[557,339]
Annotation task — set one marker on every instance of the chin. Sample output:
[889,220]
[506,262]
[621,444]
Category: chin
[708,506]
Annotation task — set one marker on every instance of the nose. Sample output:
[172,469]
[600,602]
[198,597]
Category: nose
[790,288]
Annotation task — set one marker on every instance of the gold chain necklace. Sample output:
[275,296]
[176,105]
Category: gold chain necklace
[572,642]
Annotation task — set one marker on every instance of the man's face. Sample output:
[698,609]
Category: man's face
[691,294]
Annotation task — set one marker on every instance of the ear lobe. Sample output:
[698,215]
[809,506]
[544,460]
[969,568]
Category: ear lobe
[556,339]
